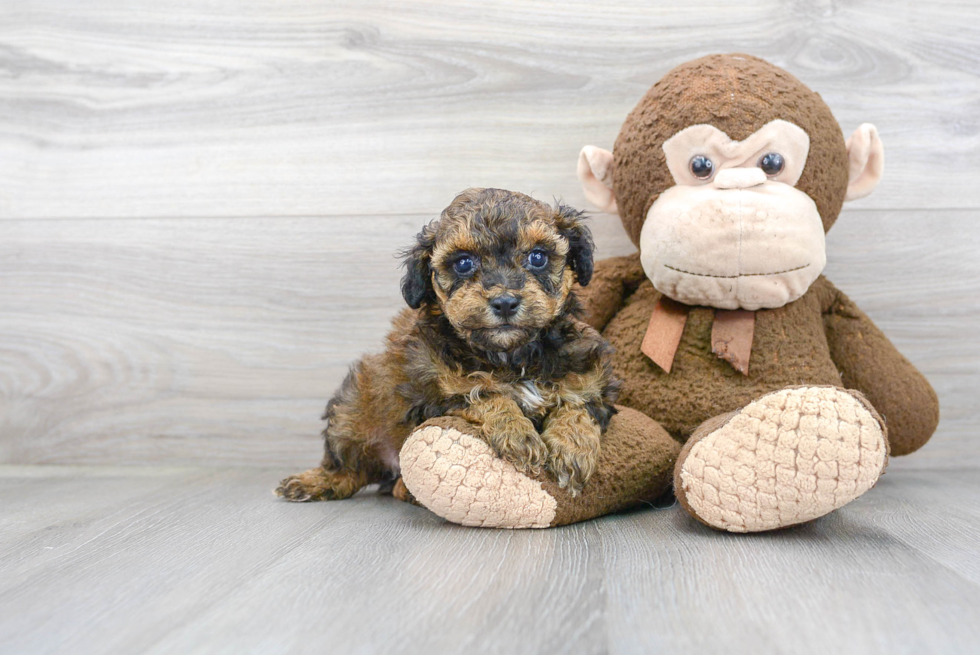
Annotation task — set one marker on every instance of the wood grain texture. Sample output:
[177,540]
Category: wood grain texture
[299,108]
[200,203]
[167,560]
[205,341]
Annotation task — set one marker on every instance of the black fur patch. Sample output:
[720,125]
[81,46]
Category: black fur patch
[345,395]
[417,283]
[581,245]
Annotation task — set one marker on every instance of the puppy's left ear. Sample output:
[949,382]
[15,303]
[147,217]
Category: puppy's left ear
[417,282]
[571,225]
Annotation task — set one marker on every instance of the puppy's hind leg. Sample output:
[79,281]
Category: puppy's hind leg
[347,463]
[320,484]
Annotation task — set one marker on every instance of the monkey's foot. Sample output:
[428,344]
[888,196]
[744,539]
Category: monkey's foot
[789,457]
[455,474]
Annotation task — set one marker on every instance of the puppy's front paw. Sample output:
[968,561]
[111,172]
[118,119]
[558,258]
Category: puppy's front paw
[571,466]
[515,440]
[573,440]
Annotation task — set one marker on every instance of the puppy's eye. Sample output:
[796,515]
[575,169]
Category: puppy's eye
[537,258]
[772,164]
[701,167]
[464,265]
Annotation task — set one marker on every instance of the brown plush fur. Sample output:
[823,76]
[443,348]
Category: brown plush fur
[738,94]
[535,378]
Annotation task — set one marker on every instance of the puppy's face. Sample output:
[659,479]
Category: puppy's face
[499,265]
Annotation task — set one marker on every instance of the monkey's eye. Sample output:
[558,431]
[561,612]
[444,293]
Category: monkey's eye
[537,258]
[464,265]
[772,164]
[701,167]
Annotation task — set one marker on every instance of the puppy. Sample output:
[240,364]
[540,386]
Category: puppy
[492,336]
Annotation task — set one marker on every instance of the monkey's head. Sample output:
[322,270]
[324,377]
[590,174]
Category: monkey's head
[499,266]
[727,175]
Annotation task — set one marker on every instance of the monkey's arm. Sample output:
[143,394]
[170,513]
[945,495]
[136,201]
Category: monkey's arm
[868,362]
[612,281]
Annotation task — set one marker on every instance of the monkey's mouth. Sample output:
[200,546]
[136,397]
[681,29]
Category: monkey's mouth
[732,277]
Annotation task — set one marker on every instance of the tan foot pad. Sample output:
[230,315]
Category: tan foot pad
[789,457]
[458,477]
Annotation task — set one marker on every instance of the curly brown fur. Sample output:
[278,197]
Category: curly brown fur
[496,340]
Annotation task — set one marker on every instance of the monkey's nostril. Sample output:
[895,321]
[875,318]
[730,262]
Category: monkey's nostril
[505,306]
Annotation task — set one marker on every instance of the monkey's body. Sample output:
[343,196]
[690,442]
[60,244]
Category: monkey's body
[793,345]
[789,349]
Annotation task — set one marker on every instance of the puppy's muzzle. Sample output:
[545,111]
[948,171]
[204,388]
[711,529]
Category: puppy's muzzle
[505,305]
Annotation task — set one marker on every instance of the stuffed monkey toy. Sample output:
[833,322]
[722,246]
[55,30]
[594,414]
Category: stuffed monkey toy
[750,383]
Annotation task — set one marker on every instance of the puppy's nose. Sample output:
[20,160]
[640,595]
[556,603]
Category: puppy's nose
[505,306]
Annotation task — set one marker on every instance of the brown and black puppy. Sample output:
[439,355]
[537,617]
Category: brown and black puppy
[492,336]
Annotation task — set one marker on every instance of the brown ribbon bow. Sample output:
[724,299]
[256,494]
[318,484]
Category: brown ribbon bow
[731,334]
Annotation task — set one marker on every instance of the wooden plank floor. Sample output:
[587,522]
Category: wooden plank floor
[193,560]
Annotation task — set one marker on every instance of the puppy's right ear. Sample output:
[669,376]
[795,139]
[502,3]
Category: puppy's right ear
[417,282]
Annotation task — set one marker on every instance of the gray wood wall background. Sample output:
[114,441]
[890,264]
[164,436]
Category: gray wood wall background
[200,202]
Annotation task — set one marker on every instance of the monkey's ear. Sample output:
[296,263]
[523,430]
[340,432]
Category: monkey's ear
[571,225]
[866,161]
[595,172]
[417,282]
